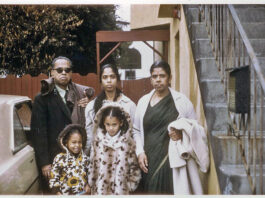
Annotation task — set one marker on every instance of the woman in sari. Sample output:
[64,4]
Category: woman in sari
[153,114]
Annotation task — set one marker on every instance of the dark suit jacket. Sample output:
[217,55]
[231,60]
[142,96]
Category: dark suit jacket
[49,117]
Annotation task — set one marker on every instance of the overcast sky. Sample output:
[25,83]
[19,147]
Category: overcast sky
[123,12]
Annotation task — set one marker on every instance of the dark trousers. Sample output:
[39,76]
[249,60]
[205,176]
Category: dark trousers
[44,185]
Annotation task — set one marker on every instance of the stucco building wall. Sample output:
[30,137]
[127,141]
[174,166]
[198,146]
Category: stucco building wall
[180,58]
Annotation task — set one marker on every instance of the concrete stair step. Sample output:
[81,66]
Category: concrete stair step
[193,5]
[216,116]
[198,30]
[229,151]
[252,91]
[213,90]
[258,46]
[255,30]
[225,149]
[236,179]
[193,13]
[203,49]
[207,69]
[258,113]
[262,64]
[248,6]
[251,14]
[257,37]
[246,13]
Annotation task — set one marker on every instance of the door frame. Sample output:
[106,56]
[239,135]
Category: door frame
[129,36]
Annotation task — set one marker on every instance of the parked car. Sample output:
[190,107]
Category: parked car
[18,169]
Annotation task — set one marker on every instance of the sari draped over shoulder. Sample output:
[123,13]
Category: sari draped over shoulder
[159,178]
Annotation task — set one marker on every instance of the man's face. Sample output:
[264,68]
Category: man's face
[61,73]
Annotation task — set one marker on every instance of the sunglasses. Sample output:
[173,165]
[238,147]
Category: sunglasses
[60,70]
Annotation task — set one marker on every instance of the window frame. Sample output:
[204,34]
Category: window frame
[24,129]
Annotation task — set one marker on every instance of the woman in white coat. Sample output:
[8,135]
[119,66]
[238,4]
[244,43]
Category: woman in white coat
[154,112]
[109,78]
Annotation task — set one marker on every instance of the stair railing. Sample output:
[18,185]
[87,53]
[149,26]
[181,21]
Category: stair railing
[232,49]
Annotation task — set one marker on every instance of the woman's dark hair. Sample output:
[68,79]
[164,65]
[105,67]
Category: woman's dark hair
[117,113]
[74,128]
[102,96]
[114,69]
[161,64]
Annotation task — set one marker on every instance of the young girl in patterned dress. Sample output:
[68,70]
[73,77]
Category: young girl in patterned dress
[113,169]
[69,168]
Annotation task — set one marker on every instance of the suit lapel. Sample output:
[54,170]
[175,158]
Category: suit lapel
[61,104]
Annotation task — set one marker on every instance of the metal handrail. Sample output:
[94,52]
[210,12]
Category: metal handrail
[232,49]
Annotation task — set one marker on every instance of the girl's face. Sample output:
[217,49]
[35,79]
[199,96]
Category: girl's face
[109,80]
[112,125]
[74,143]
[160,79]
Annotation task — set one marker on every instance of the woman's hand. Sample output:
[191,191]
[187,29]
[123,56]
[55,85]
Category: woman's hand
[175,134]
[143,163]
[83,102]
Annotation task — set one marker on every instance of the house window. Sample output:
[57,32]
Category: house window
[130,75]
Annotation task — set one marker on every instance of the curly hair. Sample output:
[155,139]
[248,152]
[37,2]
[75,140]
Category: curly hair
[117,113]
[71,129]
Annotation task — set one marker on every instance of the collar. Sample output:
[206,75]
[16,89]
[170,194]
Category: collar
[175,94]
[113,142]
[124,98]
[70,156]
[61,92]
[113,138]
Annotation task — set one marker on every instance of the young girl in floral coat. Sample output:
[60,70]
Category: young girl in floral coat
[114,167]
[69,168]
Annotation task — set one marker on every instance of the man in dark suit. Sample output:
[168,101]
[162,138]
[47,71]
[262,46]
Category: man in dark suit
[52,110]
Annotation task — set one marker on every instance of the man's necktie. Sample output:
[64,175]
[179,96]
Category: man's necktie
[67,102]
